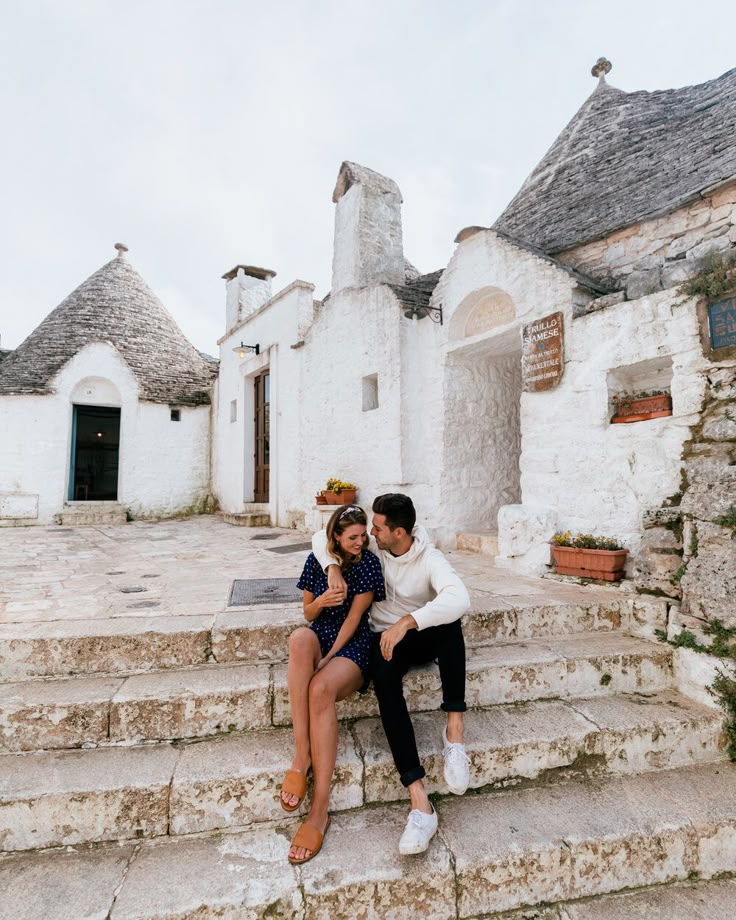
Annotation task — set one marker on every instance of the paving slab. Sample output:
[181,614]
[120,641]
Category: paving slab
[235,781]
[61,798]
[55,713]
[64,885]
[573,840]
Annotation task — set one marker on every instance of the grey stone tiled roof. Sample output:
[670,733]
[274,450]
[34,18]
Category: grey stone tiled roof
[113,305]
[418,292]
[625,157]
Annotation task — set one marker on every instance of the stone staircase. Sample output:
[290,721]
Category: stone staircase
[141,760]
[254,514]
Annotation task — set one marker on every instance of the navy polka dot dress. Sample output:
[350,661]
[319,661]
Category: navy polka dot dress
[365,575]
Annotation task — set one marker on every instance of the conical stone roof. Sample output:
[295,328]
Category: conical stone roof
[626,157]
[113,305]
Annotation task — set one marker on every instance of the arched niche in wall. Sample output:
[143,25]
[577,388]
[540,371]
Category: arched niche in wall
[482,311]
[96,391]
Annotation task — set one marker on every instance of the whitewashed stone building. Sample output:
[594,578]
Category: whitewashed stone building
[484,389]
[104,409]
[637,189]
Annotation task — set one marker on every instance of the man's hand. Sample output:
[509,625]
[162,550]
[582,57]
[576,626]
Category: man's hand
[391,637]
[335,580]
[332,597]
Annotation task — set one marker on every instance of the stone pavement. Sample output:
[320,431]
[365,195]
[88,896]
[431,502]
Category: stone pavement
[144,727]
[185,568]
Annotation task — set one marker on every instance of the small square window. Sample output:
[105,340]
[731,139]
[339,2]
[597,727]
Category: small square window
[176,415]
[234,410]
[370,392]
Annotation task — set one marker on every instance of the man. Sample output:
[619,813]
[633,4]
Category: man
[418,622]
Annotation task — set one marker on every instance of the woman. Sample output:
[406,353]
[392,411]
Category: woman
[328,660]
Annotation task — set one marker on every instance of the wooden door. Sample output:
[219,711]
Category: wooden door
[263,434]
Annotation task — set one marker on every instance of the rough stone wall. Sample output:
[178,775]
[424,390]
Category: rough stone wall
[482,438]
[660,253]
[368,238]
[703,516]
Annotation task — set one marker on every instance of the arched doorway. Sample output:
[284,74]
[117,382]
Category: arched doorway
[482,393]
[95,441]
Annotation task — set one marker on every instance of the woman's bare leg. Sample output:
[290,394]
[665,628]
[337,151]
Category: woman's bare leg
[334,682]
[304,653]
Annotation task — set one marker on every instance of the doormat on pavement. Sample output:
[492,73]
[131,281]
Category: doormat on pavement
[289,548]
[266,536]
[248,591]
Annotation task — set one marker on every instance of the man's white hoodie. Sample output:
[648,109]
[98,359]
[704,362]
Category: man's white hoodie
[421,582]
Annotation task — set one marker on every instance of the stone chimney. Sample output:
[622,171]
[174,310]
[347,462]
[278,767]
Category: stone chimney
[248,288]
[368,243]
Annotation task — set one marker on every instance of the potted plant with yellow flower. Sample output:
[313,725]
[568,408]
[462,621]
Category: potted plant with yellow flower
[587,556]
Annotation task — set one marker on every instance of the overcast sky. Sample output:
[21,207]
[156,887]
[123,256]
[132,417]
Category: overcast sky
[203,133]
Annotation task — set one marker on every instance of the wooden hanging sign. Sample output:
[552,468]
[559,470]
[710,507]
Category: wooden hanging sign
[542,353]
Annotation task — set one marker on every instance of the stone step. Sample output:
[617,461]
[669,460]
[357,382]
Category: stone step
[484,542]
[150,643]
[495,852]
[221,698]
[101,514]
[515,672]
[65,798]
[248,518]
[714,900]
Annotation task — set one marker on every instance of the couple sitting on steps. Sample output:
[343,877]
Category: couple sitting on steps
[361,631]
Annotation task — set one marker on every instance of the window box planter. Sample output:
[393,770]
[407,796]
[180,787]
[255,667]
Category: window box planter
[642,408]
[603,564]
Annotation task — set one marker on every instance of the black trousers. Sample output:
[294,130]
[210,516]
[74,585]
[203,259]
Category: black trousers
[446,645]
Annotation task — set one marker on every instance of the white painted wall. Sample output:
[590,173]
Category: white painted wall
[278,327]
[163,465]
[578,471]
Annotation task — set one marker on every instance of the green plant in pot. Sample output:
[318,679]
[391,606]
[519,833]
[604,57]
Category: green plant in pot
[588,556]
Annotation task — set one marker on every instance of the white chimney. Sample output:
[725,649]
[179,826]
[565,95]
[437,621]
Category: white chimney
[368,242]
[247,288]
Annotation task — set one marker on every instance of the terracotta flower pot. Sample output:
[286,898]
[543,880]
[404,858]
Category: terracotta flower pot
[604,564]
[320,499]
[332,499]
[346,497]
[639,410]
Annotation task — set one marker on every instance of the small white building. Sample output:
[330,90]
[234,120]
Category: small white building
[424,384]
[106,402]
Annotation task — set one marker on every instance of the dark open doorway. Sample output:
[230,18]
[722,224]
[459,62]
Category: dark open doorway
[95,450]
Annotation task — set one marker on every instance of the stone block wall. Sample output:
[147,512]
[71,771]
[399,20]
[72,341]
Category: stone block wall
[689,551]
[660,253]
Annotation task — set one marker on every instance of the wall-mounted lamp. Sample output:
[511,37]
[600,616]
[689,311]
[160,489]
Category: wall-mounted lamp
[242,350]
[434,313]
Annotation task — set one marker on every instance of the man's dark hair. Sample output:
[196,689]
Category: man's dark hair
[398,510]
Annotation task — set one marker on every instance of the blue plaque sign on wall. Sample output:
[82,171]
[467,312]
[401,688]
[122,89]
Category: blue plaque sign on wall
[722,323]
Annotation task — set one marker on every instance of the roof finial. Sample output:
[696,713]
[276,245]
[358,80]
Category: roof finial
[601,67]
[121,248]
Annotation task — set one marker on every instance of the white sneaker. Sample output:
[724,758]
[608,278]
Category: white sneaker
[457,765]
[419,830]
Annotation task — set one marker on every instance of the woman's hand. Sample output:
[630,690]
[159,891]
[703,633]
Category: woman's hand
[332,597]
[323,661]
[335,580]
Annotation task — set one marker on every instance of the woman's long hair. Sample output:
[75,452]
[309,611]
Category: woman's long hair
[342,518]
